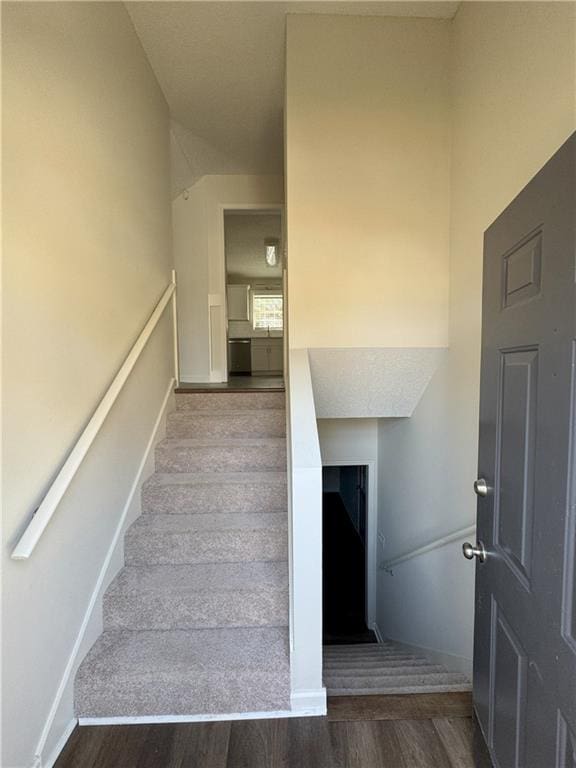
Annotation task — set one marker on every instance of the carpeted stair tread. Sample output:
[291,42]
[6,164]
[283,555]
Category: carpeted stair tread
[353,668]
[401,689]
[231,423]
[184,672]
[178,539]
[215,492]
[385,668]
[239,521]
[257,400]
[199,578]
[198,596]
[163,479]
[221,454]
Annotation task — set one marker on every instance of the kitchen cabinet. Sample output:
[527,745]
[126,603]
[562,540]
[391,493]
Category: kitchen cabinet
[267,355]
[238,302]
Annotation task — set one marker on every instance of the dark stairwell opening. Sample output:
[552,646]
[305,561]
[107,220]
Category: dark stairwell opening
[344,556]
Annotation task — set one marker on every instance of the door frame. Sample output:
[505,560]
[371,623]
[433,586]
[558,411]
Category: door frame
[222,342]
[371,571]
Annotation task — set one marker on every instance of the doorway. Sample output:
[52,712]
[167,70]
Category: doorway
[345,559]
[254,268]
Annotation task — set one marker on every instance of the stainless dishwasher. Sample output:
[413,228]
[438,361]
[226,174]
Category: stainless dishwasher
[239,357]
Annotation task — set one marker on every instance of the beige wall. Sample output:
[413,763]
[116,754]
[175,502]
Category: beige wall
[86,254]
[513,105]
[198,226]
[367,164]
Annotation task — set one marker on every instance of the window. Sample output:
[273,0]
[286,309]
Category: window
[267,311]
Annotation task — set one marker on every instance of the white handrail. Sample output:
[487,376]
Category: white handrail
[461,533]
[45,511]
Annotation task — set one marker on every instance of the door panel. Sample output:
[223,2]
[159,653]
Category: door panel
[525,654]
[513,505]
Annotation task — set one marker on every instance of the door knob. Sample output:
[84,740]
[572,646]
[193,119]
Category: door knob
[480,487]
[470,551]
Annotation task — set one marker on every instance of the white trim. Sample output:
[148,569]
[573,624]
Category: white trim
[461,533]
[159,719]
[41,518]
[55,754]
[309,703]
[104,577]
[376,629]
[194,378]
[175,330]
[371,529]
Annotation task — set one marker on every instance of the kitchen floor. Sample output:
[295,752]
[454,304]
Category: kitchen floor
[237,383]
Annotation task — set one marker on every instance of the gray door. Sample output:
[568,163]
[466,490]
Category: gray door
[525,635]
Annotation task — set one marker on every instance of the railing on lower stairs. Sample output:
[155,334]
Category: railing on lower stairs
[44,513]
[429,546]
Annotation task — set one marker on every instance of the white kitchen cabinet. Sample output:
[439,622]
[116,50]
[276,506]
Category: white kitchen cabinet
[238,302]
[267,355]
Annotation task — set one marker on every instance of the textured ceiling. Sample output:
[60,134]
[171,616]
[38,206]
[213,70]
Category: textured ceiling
[245,235]
[221,67]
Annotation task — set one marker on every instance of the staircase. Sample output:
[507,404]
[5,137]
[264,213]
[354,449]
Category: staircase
[385,668]
[196,621]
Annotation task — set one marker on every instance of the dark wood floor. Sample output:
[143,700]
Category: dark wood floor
[237,384]
[315,742]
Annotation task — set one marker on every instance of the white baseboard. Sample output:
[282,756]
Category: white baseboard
[309,703]
[91,625]
[194,378]
[49,761]
[376,629]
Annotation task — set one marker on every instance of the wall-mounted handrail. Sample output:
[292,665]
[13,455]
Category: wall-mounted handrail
[51,500]
[461,533]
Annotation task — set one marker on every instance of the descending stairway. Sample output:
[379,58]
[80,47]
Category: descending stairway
[196,621]
[385,668]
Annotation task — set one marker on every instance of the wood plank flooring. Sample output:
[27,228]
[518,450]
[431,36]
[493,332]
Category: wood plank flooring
[314,742]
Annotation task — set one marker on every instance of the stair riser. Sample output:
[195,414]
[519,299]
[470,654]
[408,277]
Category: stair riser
[368,665]
[383,681]
[388,690]
[264,423]
[419,669]
[181,458]
[221,693]
[197,611]
[229,401]
[235,546]
[205,499]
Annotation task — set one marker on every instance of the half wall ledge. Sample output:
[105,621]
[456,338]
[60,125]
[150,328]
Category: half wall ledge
[380,382]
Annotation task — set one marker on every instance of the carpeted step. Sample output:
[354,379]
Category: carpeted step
[386,668]
[221,455]
[230,401]
[401,687]
[184,672]
[270,422]
[179,539]
[198,596]
[215,492]
[354,668]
